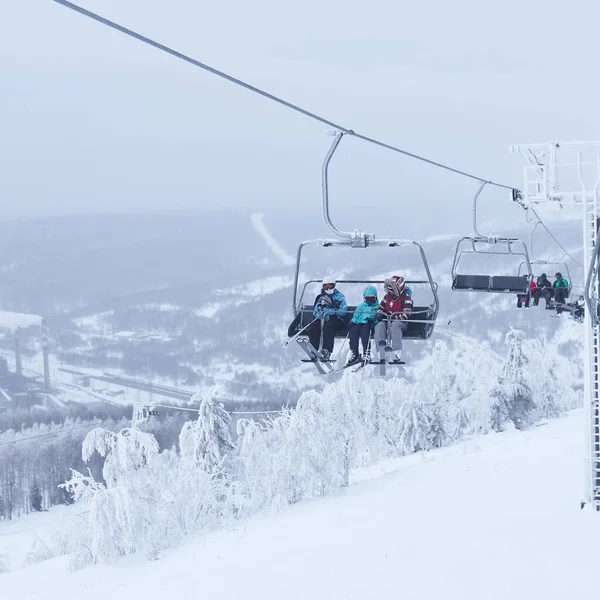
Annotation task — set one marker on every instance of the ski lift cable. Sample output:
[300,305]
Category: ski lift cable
[233,412]
[554,237]
[184,57]
[43,435]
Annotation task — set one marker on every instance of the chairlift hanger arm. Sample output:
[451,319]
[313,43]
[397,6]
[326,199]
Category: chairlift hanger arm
[359,238]
[325,187]
[480,189]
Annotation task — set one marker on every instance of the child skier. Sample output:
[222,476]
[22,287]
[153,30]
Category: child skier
[361,325]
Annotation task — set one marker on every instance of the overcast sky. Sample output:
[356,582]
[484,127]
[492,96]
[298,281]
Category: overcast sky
[92,120]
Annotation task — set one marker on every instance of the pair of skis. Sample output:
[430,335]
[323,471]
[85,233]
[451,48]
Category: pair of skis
[324,366]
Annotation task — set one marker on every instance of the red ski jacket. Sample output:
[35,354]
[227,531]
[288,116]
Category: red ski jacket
[403,304]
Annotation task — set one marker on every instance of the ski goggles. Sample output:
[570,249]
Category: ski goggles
[328,286]
[370,299]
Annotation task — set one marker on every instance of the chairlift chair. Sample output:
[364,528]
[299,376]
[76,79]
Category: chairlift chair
[422,320]
[498,246]
[559,266]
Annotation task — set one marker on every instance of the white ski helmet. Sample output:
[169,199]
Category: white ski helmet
[329,281]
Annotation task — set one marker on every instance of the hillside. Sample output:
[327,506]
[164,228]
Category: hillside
[211,299]
[495,517]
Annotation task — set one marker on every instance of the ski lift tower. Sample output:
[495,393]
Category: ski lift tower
[562,180]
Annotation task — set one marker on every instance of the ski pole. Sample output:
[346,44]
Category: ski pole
[342,347]
[322,329]
[297,334]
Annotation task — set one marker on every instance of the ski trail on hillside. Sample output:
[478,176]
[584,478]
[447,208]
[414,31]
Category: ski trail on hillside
[257,222]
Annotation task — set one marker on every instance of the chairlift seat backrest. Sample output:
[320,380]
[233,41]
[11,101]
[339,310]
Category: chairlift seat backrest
[501,284]
[415,331]
[491,283]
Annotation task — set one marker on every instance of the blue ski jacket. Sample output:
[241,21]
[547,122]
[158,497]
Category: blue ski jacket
[365,312]
[338,306]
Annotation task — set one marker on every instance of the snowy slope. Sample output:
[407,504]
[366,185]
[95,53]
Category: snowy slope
[493,518]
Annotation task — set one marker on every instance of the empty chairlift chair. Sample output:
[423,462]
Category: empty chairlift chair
[481,245]
[506,284]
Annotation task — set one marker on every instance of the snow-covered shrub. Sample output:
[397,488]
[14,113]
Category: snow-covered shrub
[121,513]
[150,499]
[39,552]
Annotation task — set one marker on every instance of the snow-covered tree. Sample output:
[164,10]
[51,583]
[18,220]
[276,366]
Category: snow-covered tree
[415,430]
[550,377]
[477,370]
[437,393]
[120,514]
[511,397]
[207,441]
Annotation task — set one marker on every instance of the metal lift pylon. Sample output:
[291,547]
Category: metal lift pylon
[564,178]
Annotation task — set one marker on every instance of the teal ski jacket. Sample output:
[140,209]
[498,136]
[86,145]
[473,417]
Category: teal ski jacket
[364,312]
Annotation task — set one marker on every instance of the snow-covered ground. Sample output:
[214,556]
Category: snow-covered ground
[14,320]
[496,517]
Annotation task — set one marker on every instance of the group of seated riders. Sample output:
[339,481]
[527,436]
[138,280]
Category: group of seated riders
[330,310]
[555,295]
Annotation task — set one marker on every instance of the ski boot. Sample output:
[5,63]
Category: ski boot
[352,359]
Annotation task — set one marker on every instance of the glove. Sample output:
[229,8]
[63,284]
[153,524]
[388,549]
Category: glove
[380,316]
[351,325]
[325,301]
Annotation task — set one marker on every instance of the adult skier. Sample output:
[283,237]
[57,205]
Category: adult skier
[361,325]
[543,288]
[394,308]
[561,291]
[330,308]
[525,298]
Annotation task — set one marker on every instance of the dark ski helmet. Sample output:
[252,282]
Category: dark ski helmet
[558,276]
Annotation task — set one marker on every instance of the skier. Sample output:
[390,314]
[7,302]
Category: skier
[561,292]
[543,288]
[526,297]
[577,309]
[361,325]
[394,308]
[330,308]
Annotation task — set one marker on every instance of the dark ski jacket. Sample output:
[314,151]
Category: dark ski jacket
[543,283]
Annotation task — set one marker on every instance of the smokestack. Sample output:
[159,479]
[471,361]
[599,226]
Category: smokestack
[18,364]
[45,354]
